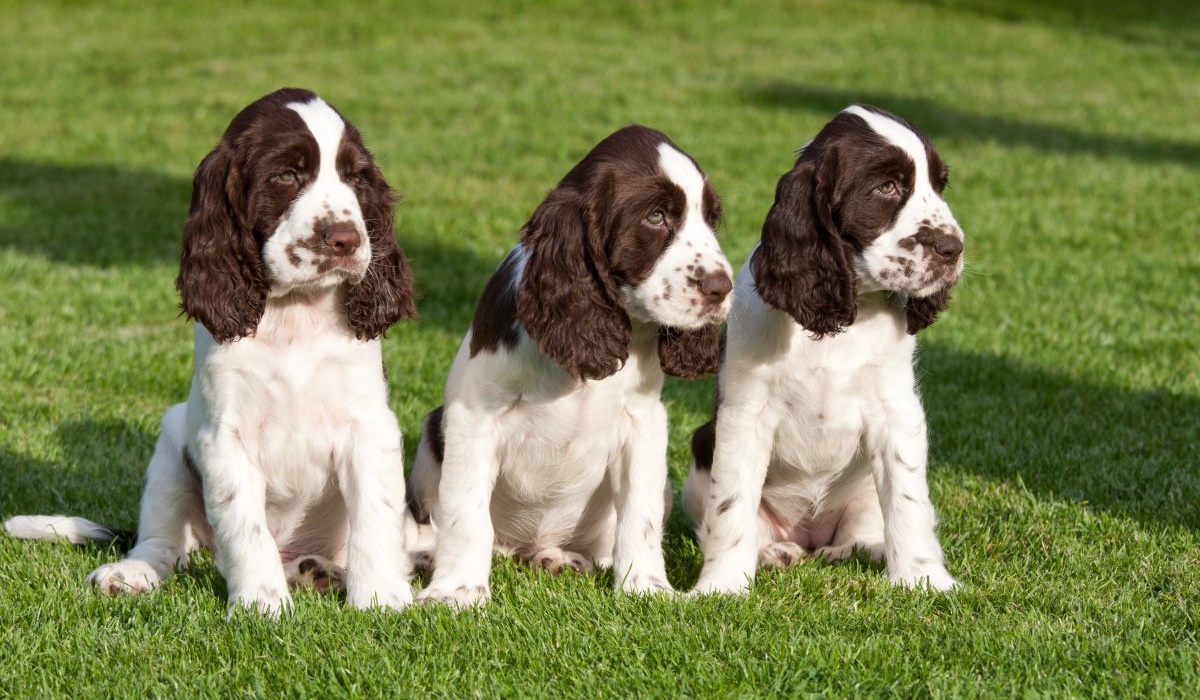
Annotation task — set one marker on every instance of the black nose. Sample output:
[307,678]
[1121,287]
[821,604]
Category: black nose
[948,248]
[715,286]
[343,239]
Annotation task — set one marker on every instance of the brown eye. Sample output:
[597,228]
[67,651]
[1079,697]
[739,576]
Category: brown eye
[886,188]
[656,218]
[285,177]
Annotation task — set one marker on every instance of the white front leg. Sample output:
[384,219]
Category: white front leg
[638,486]
[729,531]
[377,565]
[463,522]
[914,556]
[235,502]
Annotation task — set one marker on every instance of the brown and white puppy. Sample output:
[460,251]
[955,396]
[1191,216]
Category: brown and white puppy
[552,440]
[819,441]
[286,445]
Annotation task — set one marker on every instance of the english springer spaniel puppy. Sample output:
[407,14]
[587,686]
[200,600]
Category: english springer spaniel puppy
[552,441]
[286,445]
[819,442]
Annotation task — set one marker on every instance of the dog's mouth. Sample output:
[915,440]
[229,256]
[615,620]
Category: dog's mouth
[715,312]
[690,314]
[332,252]
[349,269]
[937,276]
[915,276]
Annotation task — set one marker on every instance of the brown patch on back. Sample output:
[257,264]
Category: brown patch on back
[495,324]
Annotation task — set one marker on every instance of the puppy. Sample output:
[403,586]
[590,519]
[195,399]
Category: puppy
[819,442]
[286,445]
[552,440]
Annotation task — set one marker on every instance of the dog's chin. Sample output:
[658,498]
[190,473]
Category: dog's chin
[914,287]
[940,284]
[342,274]
[685,313]
[690,320]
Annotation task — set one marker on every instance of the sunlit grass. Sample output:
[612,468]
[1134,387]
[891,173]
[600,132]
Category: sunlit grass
[1063,385]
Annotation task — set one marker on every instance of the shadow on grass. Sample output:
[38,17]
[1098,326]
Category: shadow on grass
[92,214]
[449,278]
[109,216]
[99,477]
[1134,23]
[939,121]
[1133,454]
[96,472]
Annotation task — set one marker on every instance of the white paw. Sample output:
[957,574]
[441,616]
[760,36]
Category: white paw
[314,571]
[384,598]
[780,555]
[556,561]
[933,576]
[268,600]
[646,584]
[125,576]
[458,596]
[723,582]
[874,550]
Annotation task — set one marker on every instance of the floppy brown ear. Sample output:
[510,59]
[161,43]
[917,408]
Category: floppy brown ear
[385,294]
[568,301]
[921,313]
[689,354]
[801,266]
[221,282]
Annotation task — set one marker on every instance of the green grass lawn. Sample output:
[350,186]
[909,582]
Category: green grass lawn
[1062,386]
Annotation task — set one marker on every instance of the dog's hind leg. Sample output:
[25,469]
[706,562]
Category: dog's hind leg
[171,522]
[316,572]
[423,482]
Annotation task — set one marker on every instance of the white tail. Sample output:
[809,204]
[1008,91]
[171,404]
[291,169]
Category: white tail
[52,527]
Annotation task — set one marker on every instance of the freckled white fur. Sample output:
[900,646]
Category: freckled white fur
[821,445]
[561,472]
[294,444]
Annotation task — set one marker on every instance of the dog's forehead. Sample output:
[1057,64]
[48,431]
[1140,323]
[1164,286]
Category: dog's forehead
[895,133]
[682,171]
[325,125]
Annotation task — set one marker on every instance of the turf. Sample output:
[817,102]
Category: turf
[1063,385]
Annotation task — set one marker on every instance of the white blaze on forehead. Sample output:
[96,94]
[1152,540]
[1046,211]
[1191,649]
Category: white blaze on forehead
[327,128]
[671,295]
[898,134]
[683,172]
[887,263]
[327,197]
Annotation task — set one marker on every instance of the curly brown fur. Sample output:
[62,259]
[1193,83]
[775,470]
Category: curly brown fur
[568,301]
[221,280]
[801,267]
[385,295]
[689,354]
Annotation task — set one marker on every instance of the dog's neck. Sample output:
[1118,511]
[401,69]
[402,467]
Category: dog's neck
[296,315]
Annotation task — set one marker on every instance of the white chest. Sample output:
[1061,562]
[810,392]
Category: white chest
[835,396]
[292,402]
